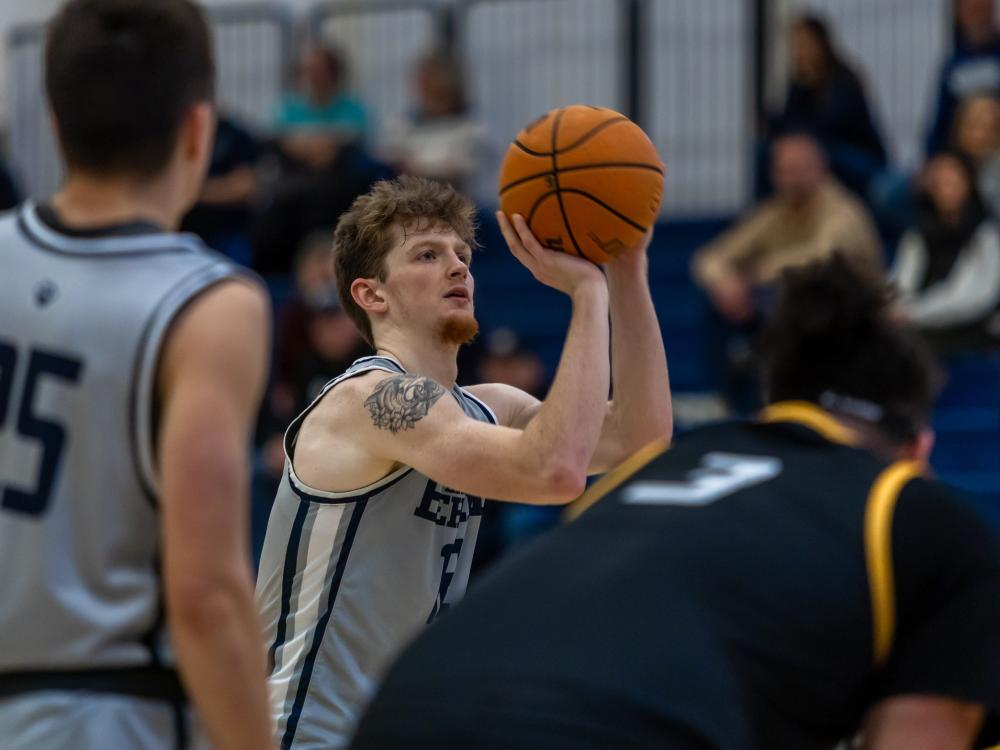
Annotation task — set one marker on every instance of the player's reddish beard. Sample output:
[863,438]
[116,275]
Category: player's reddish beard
[458,329]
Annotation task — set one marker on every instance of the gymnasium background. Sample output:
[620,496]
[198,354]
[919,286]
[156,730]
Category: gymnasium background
[700,76]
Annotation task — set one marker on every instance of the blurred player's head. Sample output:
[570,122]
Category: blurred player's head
[131,85]
[402,255]
[833,341]
[798,167]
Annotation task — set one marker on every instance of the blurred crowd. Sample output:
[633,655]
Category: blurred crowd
[824,183]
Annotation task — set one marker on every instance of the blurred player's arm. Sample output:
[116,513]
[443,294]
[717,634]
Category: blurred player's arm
[922,722]
[211,379]
[640,411]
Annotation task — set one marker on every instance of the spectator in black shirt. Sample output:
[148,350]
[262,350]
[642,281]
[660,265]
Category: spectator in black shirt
[826,98]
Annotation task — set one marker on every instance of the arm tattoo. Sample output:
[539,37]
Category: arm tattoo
[399,402]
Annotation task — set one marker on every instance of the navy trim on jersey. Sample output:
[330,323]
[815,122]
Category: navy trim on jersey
[309,497]
[161,242]
[303,689]
[287,583]
[486,410]
[288,441]
[133,401]
[150,637]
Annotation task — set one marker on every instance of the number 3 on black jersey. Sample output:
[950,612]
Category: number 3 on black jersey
[719,475]
[51,434]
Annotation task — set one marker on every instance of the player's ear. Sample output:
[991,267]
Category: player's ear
[921,447]
[369,296]
[198,132]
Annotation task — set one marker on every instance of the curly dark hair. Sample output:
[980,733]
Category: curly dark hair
[831,335]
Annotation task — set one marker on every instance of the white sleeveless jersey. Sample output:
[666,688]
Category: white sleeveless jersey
[346,579]
[82,321]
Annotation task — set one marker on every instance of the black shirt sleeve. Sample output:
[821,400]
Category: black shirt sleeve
[946,560]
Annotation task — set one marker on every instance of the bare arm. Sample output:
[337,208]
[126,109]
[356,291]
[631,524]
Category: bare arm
[640,411]
[211,379]
[410,420]
[922,723]
[413,421]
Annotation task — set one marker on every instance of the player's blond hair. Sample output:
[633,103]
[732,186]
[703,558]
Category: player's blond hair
[364,234]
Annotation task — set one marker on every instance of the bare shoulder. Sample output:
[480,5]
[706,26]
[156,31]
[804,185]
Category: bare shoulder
[347,440]
[512,406]
[224,330]
[370,406]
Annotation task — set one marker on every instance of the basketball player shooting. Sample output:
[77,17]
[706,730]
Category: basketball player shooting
[373,529]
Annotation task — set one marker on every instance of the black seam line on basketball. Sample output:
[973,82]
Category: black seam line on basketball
[599,165]
[606,207]
[589,134]
[531,213]
[555,179]
[531,151]
[577,143]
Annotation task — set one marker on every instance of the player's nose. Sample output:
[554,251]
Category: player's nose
[457,267]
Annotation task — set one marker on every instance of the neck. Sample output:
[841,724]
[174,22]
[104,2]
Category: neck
[421,356]
[85,200]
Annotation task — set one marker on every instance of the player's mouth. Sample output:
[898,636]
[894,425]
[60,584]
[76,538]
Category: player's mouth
[458,292]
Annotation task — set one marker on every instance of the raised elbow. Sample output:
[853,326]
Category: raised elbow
[563,483]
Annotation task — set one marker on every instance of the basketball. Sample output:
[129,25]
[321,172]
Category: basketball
[586,179]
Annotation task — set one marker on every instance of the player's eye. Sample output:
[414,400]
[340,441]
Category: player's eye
[427,255]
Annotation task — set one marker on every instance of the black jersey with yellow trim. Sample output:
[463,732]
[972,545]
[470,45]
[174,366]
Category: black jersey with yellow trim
[759,585]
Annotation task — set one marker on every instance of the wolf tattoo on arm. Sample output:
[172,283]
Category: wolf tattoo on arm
[399,402]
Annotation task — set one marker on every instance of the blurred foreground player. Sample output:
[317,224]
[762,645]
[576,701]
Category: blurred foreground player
[774,584]
[131,363]
[374,524]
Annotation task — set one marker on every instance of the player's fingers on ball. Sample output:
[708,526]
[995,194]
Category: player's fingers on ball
[526,236]
[513,242]
[527,239]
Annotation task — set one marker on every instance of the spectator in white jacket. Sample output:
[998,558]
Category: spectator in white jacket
[947,267]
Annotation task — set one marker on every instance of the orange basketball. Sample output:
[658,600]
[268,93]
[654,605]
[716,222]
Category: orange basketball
[588,181]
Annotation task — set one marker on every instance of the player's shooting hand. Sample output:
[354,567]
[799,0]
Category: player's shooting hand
[553,268]
[632,258]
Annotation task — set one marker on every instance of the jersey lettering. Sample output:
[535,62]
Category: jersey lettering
[447,507]
[448,551]
[49,433]
[719,475]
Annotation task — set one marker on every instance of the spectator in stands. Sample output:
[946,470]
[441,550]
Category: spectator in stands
[810,216]
[826,98]
[977,138]
[306,201]
[947,268]
[223,215]
[320,114]
[439,139]
[973,66]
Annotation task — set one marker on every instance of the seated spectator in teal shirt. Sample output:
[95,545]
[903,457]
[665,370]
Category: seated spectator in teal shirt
[321,111]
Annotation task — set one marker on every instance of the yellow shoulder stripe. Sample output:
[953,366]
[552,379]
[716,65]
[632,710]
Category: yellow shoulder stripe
[615,477]
[878,553]
[811,416]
